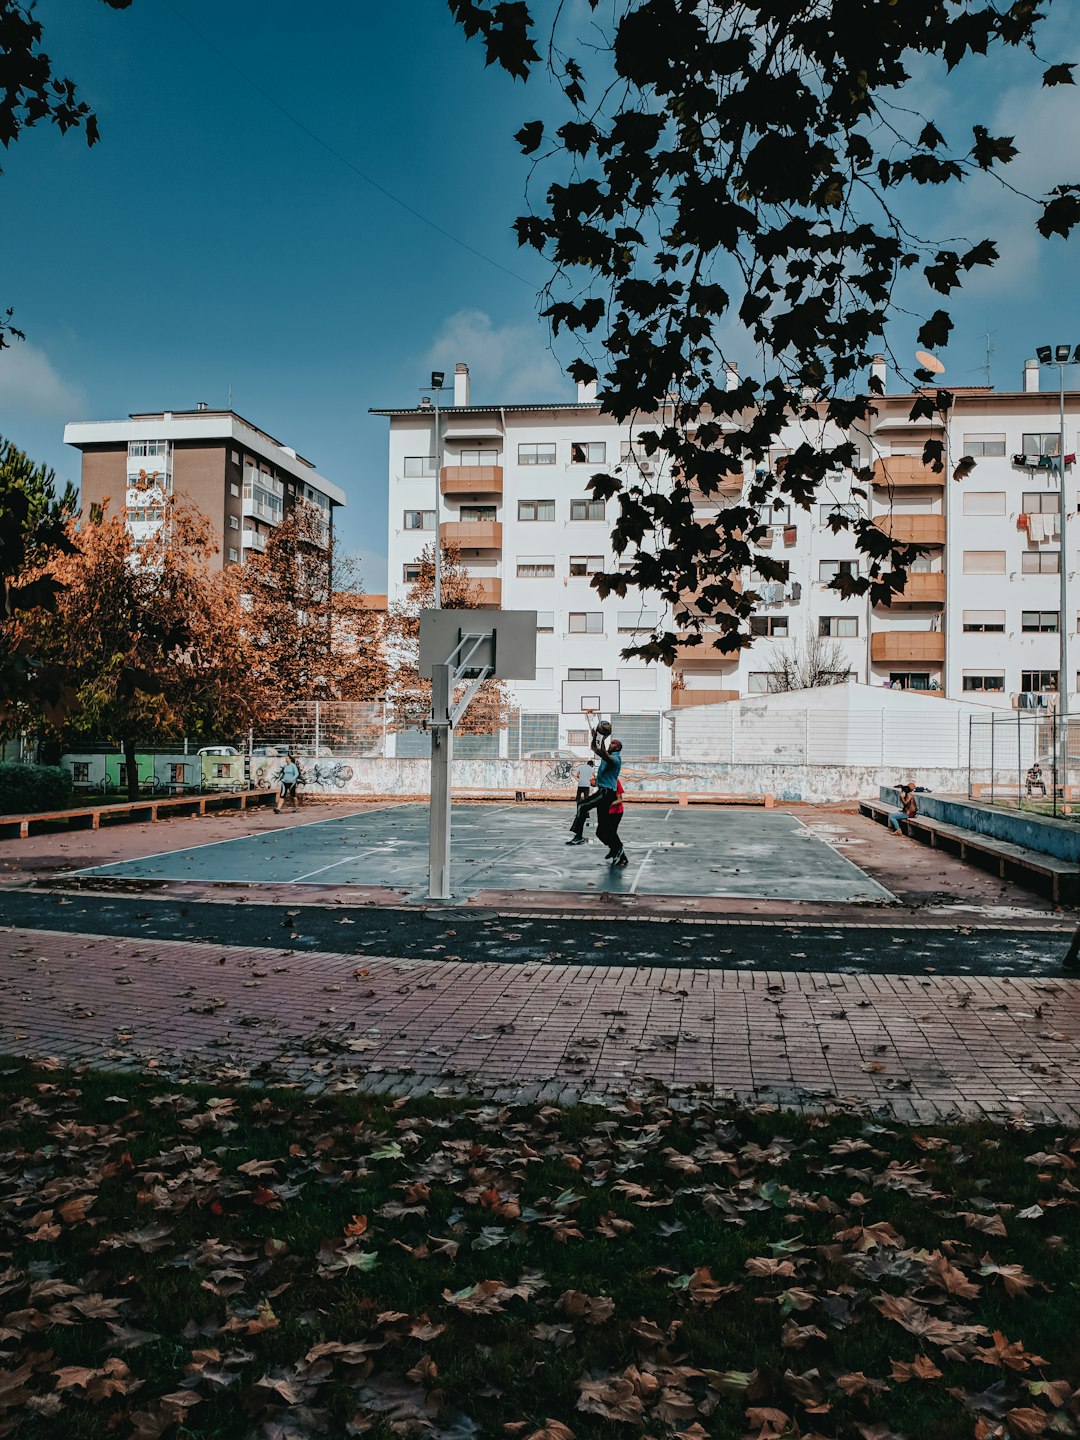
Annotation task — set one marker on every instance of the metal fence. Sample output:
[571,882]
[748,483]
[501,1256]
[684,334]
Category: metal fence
[1026,762]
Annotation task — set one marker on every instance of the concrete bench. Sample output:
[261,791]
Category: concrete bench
[90,817]
[1018,860]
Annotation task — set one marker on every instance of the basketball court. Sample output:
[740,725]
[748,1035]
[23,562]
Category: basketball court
[725,853]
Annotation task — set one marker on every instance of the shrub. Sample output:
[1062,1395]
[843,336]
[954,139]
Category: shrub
[25,788]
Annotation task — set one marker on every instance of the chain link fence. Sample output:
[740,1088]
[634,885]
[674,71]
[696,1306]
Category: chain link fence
[1026,762]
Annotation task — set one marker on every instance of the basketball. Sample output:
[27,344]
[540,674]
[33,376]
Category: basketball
[604,728]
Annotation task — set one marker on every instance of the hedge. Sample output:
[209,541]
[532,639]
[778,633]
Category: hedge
[26,788]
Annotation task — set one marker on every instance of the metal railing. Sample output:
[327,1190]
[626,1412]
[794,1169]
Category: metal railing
[1026,761]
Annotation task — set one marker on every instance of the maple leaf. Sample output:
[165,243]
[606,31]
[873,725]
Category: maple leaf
[916,1319]
[767,1267]
[951,1278]
[1010,1354]
[595,1309]
[921,1368]
[768,1421]
[552,1430]
[613,1397]
[1026,1423]
[794,1337]
[988,1224]
[870,1237]
[859,1386]
[1015,1278]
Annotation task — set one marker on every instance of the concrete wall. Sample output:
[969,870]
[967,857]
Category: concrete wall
[409,778]
[1048,836]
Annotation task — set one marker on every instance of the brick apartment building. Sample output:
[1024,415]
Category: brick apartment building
[237,475]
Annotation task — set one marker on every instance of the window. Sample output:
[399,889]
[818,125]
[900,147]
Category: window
[586,622]
[1047,442]
[419,520]
[759,682]
[586,564]
[234,523]
[838,627]
[148,447]
[586,509]
[981,680]
[984,621]
[80,772]
[536,509]
[829,569]
[976,445]
[984,562]
[536,567]
[910,679]
[1041,620]
[580,674]
[578,737]
[1040,562]
[234,455]
[417,465]
[984,502]
[774,626]
[233,555]
[630,622]
[478,457]
[478,514]
[545,622]
[1032,681]
[234,489]
[826,512]
[777,514]
[410,574]
[590,452]
[1041,502]
[539,454]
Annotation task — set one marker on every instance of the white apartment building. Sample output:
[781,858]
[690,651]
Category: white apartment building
[978,618]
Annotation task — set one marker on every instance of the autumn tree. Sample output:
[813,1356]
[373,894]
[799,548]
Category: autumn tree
[34,529]
[743,169]
[151,636]
[314,636]
[408,694]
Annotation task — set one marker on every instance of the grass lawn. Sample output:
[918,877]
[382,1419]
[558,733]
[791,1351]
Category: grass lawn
[186,1261]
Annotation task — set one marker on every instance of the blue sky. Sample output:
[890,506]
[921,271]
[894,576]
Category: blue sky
[209,242]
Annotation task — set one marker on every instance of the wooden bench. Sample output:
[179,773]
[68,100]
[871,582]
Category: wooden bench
[1063,875]
[90,817]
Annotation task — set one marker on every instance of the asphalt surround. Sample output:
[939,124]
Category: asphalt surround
[454,934]
[732,854]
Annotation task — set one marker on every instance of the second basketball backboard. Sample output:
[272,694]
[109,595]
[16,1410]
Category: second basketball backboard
[590,697]
[509,649]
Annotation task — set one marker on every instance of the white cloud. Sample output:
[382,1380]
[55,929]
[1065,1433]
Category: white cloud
[507,363]
[29,386]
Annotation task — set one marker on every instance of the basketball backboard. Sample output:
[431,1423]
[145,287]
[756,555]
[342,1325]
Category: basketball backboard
[580,697]
[509,651]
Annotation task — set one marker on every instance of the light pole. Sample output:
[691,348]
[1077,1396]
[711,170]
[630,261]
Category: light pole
[1062,356]
[438,384]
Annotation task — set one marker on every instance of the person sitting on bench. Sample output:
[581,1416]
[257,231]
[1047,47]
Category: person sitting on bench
[908,809]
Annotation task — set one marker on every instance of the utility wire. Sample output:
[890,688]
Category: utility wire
[325,145]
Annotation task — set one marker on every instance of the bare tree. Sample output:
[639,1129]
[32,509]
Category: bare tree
[818,660]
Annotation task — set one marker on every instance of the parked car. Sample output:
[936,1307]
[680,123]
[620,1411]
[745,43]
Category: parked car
[218,750]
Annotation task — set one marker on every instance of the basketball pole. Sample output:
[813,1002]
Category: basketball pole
[445,678]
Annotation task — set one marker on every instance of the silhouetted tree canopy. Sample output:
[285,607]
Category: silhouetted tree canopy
[745,166]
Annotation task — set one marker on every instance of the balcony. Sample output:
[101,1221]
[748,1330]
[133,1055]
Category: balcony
[471,480]
[905,472]
[261,510]
[472,534]
[913,529]
[254,541]
[680,699]
[703,656]
[489,592]
[922,589]
[925,647]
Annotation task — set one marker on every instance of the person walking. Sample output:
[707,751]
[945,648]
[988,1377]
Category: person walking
[289,779]
[608,830]
[583,777]
[908,809]
[609,752]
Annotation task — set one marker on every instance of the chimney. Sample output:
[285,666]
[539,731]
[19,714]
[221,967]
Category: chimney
[877,370]
[461,384]
[586,392]
[732,369]
[1031,375]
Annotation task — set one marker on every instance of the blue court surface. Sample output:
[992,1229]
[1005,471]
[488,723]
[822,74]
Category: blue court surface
[724,853]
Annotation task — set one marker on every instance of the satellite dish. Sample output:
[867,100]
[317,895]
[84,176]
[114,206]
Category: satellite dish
[929,362]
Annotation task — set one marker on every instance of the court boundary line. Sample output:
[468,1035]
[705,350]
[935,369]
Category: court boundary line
[850,863]
[209,844]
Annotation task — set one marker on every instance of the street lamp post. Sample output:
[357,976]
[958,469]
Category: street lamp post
[1062,356]
[438,384]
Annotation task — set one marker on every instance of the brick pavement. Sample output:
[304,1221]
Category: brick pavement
[917,1048]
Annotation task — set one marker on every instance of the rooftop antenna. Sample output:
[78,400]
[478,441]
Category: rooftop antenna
[230,397]
[985,367]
